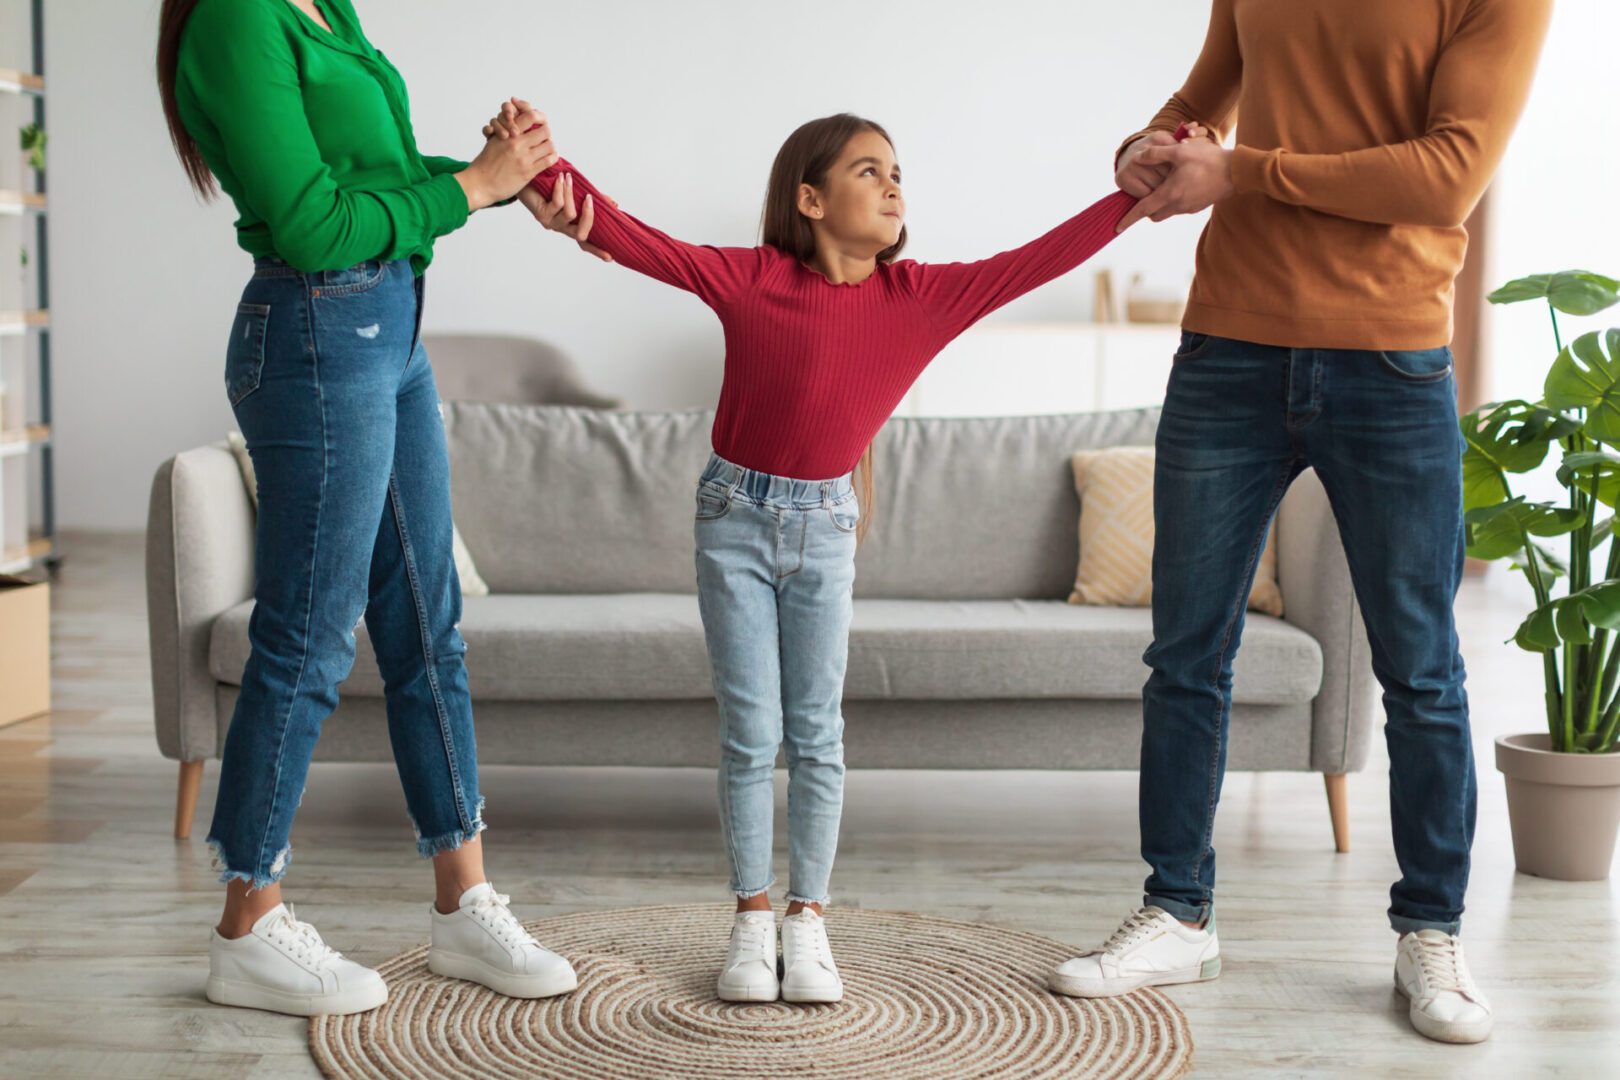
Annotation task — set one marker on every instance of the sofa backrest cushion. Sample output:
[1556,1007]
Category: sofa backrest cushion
[562,500]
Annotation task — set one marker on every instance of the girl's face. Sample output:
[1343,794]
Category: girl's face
[860,205]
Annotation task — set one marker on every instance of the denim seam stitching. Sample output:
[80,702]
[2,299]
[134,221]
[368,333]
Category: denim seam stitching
[357,287]
[427,653]
[1349,668]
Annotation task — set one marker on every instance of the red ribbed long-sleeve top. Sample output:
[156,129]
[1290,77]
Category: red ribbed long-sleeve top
[812,368]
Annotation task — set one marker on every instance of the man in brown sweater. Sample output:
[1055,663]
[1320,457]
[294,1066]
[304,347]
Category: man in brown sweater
[1317,336]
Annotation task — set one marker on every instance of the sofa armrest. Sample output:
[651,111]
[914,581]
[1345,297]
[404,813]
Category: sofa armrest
[199,563]
[1318,598]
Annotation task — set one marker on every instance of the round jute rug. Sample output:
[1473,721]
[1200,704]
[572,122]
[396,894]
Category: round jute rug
[924,999]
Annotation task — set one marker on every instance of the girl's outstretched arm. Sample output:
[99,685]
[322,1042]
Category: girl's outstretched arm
[957,295]
[718,275]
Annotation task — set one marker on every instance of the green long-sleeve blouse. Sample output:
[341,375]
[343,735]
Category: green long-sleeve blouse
[309,133]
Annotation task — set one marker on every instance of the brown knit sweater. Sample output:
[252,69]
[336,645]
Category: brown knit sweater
[1367,131]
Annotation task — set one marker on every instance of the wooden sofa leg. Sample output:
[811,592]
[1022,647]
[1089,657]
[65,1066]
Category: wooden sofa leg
[185,803]
[1338,793]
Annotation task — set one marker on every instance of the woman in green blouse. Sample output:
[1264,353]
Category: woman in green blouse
[305,125]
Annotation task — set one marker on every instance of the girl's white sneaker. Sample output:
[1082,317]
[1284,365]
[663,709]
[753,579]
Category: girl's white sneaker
[283,966]
[750,971]
[808,972]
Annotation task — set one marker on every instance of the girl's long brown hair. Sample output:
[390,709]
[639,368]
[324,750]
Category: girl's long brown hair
[806,158]
[171,26]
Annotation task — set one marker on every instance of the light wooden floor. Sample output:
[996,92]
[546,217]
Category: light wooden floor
[104,917]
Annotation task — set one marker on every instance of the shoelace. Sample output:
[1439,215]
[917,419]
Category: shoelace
[1137,925]
[753,937]
[809,938]
[491,910]
[1443,966]
[301,941]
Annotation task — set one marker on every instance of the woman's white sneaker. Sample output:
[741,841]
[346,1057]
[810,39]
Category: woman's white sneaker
[282,965]
[483,942]
[1432,973]
[750,971]
[1150,948]
[808,972]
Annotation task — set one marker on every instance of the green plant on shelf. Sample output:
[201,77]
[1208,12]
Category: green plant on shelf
[32,139]
[1580,411]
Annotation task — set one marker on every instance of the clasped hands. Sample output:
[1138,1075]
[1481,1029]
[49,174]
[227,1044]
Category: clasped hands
[1171,177]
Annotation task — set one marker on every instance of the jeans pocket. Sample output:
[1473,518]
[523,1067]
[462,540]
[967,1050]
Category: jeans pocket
[1419,365]
[711,504]
[846,515]
[1192,346]
[358,278]
[244,358]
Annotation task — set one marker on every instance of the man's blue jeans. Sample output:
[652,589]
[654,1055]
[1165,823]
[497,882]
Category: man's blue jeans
[1240,422]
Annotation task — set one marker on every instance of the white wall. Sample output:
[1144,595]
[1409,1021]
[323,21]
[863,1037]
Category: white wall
[1556,199]
[1005,119]
[1555,206]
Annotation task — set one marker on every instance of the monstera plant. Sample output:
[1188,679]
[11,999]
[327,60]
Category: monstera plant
[1576,622]
[1576,628]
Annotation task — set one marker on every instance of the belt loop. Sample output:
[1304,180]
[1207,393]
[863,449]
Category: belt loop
[826,494]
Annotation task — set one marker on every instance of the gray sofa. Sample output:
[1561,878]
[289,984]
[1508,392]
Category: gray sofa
[589,650]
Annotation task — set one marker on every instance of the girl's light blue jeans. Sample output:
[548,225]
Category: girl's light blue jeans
[775,573]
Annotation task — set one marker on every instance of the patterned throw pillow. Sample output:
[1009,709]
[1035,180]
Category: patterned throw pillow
[1116,533]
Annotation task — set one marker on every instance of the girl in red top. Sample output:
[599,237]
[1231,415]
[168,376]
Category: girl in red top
[825,332]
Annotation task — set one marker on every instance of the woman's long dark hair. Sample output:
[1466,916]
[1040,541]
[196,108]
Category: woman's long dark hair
[806,158]
[171,25]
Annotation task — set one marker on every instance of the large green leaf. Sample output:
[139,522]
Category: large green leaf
[1574,292]
[1571,618]
[1496,532]
[1580,470]
[1506,437]
[1586,375]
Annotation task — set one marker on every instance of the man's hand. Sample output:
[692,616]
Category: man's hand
[1200,176]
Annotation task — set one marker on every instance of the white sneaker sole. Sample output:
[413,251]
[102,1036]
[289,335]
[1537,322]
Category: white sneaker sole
[1074,986]
[813,995]
[749,993]
[1458,1032]
[244,995]
[508,984]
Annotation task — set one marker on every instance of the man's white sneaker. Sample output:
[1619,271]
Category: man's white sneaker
[1445,1005]
[808,972]
[483,942]
[283,965]
[1150,948]
[750,971]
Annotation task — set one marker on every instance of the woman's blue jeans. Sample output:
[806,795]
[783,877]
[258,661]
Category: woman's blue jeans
[334,395]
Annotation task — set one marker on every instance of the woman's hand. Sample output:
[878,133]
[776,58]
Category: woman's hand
[507,164]
[561,214]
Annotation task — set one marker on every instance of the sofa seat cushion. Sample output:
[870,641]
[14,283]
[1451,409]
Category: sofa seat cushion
[649,646]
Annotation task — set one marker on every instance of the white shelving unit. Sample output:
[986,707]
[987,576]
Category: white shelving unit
[27,502]
[1032,369]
